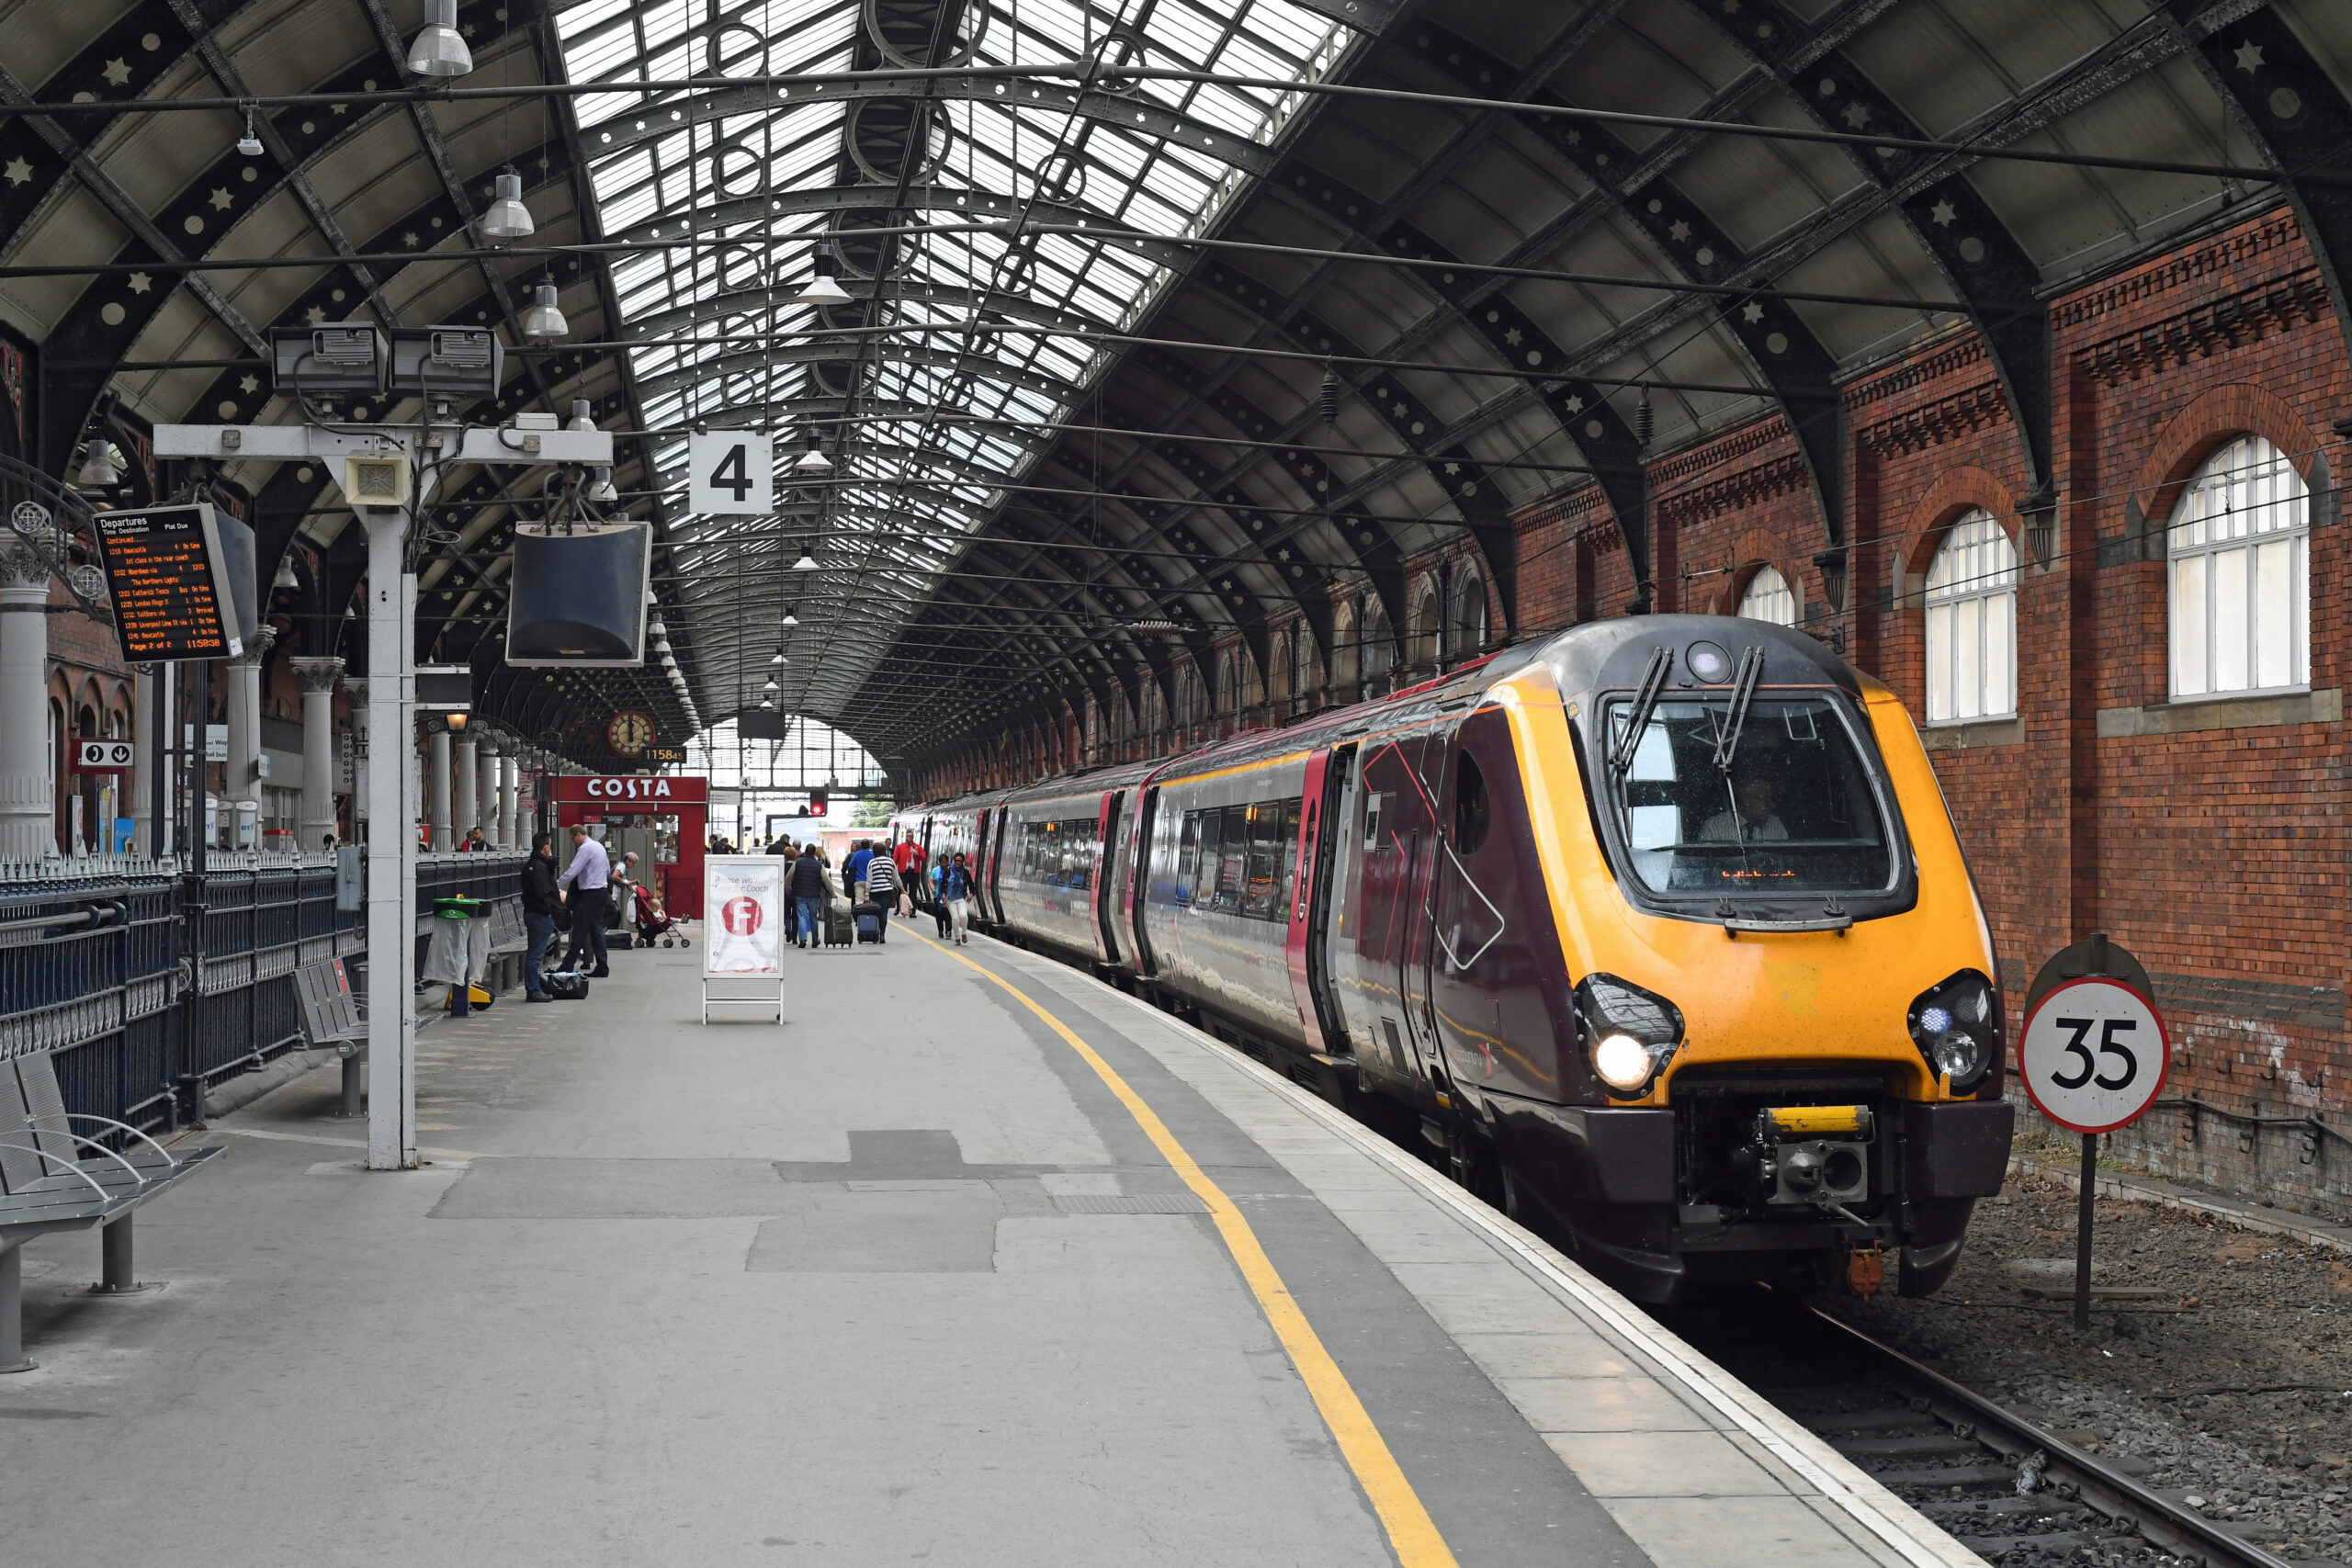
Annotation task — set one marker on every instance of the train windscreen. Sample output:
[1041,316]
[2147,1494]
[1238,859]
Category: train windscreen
[1776,800]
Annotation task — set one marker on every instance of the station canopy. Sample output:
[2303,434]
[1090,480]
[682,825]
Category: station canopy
[1151,324]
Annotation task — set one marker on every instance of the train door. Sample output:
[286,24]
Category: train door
[1310,912]
[1101,902]
[1398,822]
[993,904]
[1137,898]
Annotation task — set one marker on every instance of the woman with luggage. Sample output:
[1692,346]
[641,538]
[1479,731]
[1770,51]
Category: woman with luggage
[882,890]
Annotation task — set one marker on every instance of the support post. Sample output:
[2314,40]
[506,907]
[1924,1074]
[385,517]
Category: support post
[486,769]
[2083,1232]
[240,776]
[510,826]
[117,1268]
[12,1308]
[354,1067]
[436,783]
[391,846]
[27,815]
[465,802]
[318,678]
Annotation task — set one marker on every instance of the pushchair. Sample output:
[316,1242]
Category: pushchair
[653,920]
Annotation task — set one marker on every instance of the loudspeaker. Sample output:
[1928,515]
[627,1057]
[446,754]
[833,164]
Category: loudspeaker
[579,597]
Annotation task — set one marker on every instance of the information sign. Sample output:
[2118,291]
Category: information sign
[730,473]
[103,756]
[169,582]
[2094,1053]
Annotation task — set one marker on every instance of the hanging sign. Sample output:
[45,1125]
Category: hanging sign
[167,576]
[732,473]
[743,916]
[103,756]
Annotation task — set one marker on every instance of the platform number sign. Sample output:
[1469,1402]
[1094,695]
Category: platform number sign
[732,473]
[2094,1055]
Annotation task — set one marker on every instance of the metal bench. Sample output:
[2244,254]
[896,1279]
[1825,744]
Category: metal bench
[331,1016]
[53,1178]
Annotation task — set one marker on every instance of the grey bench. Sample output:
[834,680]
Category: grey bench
[331,1016]
[53,1178]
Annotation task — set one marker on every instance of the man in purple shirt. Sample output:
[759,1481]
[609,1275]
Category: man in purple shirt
[588,877]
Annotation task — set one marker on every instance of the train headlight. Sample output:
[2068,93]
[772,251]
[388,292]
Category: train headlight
[1630,1033]
[1957,1026]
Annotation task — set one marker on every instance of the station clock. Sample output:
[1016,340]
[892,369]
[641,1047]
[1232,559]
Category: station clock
[630,733]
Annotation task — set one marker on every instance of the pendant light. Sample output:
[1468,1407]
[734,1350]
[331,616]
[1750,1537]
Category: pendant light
[507,219]
[97,471]
[821,289]
[790,619]
[814,459]
[779,658]
[286,577]
[806,561]
[580,418]
[440,49]
[603,488]
[249,143]
[545,319]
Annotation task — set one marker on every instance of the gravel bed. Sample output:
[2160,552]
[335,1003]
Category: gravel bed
[2229,1386]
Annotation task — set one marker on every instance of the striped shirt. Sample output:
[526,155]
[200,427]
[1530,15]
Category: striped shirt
[881,876]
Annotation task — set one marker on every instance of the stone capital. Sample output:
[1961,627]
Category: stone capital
[357,687]
[22,567]
[259,647]
[319,674]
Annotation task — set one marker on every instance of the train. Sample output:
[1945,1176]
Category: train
[1655,932]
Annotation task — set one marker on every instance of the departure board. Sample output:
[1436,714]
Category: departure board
[168,582]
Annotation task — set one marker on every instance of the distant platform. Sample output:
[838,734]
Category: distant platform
[973,1260]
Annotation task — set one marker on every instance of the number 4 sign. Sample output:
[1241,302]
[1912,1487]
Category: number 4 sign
[732,473]
[2094,1053]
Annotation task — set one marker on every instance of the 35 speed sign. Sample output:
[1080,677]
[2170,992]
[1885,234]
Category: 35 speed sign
[2094,1055]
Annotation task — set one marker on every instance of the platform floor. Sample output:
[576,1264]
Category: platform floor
[922,1275]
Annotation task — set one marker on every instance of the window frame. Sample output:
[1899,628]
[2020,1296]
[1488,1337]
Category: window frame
[2003,586]
[2241,454]
[1748,592]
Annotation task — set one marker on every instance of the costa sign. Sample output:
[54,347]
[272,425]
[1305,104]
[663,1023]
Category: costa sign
[631,789]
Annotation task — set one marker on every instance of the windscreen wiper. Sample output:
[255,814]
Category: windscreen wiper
[1644,701]
[1743,695]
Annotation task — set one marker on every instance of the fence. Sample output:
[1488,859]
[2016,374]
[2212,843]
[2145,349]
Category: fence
[148,981]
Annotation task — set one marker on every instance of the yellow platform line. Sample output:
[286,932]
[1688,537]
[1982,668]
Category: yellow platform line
[1410,1529]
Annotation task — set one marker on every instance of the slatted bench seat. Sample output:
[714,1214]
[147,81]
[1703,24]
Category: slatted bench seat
[331,1018]
[53,1178]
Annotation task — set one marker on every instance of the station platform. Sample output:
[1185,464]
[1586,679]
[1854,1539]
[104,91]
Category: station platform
[972,1260]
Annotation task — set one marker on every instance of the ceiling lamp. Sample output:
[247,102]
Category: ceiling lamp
[771,686]
[580,418]
[545,319]
[822,289]
[97,471]
[603,488]
[814,459]
[779,658]
[806,563]
[249,144]
[790,619]
[507,219]
[286,577]
[440,49]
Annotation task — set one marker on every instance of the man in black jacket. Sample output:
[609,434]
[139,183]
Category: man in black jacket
[540,907]
[809,893]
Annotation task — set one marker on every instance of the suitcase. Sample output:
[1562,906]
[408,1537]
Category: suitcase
[869,921]
[569,986]
[839,930]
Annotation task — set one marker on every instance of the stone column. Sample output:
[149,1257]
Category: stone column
[241,773]
[510,826]
[437,789]
[319,677]
[151,719]
[467,800]
[27,814]
[486,794]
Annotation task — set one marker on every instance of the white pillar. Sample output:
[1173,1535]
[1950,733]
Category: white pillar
[150,721]
[319,676]
[27,814]
[241,777]
[467,799]
[486,792]
[436,784]
[391,846]
[510,828]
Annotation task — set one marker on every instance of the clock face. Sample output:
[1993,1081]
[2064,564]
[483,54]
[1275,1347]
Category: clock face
[630,733]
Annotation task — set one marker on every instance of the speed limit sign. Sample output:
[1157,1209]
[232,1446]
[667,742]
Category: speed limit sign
[2094,1053]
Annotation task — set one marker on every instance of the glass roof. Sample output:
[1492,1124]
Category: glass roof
[930,388]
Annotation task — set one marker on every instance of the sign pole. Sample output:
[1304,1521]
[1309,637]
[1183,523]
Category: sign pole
[2083,1232]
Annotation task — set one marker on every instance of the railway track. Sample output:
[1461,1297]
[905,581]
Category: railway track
[2011,1492]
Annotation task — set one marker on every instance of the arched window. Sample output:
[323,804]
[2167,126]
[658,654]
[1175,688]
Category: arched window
[1347,651]
[1420,643]
[1376,648]
[1972,622]
[2240,549]
[1768,598]
[1466,637]
[1304,676]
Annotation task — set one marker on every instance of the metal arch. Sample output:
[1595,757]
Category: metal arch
[757,301]
[1135,115]
[2290,104]
[1799,372]
[1982,263]
[821,353]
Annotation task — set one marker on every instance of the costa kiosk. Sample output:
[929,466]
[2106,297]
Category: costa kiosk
[672,814]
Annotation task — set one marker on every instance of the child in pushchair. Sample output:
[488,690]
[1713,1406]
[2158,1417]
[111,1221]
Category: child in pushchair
[653,919]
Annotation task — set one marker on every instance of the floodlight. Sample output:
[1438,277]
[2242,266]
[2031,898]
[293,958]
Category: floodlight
[544,318]
[507,219]
[446,363]
[440,49]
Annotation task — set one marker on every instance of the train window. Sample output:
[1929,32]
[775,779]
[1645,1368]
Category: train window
[1188,859]
[1471,810]
[1795,812]
[1261,884]
[1290,857]
[1233,874]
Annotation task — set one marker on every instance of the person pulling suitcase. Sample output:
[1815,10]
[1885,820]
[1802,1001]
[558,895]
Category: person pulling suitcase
[882,890]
